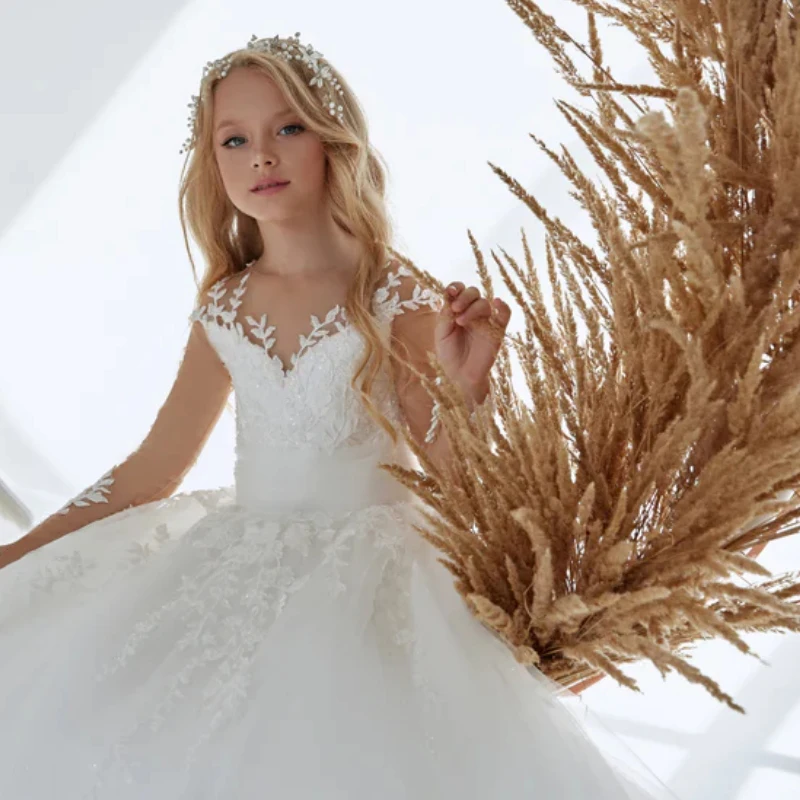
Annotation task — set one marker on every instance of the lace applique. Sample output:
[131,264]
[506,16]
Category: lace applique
[392,304]
[216,312]
[246,570]
[394,621]
[44,573]
[392,613]
[323,410]
[487,405]
[69,568]
[97,493]
[139,552]
[385,302]
[319,330]
[64,569]
[43,578]
[435,412]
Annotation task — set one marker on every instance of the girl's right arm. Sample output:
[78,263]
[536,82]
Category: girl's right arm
[157,467]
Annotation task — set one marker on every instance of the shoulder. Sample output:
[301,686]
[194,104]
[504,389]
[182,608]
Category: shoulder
[214,302]
[401,290]
[411,304]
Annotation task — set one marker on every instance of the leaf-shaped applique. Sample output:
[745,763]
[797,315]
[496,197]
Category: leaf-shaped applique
[260,331]
[332,314]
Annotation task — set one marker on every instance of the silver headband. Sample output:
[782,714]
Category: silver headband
[328,86]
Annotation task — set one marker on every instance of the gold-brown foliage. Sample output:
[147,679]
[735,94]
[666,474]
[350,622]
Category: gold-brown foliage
[609,518]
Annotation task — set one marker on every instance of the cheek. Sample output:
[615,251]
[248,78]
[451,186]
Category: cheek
[236,175]
[312,158]
[226,171]
[235,181]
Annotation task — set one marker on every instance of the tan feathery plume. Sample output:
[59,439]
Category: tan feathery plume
[612,515]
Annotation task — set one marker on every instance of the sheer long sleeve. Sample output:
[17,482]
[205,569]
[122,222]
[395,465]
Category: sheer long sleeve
[158,466]
[413,337]
[415,310]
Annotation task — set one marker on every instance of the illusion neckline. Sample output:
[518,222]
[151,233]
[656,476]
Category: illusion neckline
[308,340]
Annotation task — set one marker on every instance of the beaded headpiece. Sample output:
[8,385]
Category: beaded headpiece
[327,84]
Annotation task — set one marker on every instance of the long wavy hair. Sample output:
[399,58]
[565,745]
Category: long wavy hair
[356,181]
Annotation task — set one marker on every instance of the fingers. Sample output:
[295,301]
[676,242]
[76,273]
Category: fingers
[463,297]
[501,311]
[477,309]
[467,305]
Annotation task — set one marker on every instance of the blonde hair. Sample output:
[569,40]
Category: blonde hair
[356,177]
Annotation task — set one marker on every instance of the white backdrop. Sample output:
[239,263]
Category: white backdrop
[97,286]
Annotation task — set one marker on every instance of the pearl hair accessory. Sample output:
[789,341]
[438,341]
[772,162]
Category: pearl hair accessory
[287,49]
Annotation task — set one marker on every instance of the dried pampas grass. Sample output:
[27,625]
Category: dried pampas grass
[613,517]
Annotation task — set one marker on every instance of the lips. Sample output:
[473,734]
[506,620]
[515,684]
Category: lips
[268,184]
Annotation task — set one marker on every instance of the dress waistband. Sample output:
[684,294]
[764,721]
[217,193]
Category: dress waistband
[295,478]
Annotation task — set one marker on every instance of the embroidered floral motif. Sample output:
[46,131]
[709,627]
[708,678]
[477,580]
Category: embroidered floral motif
[318,331]
[97,493]
[245,572]
[385,304]
[392,304]
[65,569]
[394,621]
[139,552]
[217,312]
[47,572]
[318,406]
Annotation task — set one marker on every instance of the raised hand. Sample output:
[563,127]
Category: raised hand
[468,335]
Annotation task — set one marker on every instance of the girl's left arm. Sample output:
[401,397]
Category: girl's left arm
[465,333]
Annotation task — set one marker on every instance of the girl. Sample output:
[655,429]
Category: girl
[291,636]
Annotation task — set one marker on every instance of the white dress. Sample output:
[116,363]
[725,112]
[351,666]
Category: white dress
[289,637]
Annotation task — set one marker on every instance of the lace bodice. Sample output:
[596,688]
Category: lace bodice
[299,426]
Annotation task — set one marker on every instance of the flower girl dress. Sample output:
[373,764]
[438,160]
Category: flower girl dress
[291,636]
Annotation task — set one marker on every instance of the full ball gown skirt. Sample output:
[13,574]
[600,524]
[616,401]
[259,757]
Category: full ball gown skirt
[291,636]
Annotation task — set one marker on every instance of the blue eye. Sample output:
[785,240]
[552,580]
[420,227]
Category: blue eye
[226,142]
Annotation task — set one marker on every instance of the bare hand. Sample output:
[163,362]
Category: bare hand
[468,335]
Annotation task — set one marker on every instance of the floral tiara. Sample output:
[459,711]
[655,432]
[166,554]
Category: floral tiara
[328,86]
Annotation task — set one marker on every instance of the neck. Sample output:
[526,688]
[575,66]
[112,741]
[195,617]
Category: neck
[305,246]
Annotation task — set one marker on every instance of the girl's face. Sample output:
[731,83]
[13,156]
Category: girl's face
[257,136]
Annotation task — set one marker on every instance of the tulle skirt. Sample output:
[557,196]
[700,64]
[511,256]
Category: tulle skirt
[195,648]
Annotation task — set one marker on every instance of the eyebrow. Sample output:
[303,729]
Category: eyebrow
[284,113]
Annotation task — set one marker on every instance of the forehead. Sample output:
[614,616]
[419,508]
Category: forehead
[244,90]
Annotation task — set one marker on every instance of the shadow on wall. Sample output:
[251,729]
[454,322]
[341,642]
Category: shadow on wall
[63,89]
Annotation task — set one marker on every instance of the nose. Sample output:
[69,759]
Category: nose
[262,156]
[262,150]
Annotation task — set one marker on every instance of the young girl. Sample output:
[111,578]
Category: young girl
[292,636]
